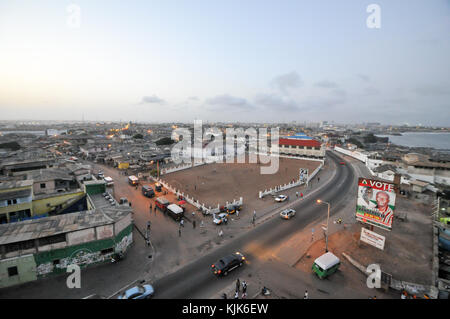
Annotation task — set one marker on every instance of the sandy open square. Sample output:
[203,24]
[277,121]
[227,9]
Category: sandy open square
[217,183]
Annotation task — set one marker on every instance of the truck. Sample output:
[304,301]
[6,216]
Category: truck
[175,211]
[162,204]
[133,180]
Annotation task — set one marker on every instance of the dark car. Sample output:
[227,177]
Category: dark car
[147,191]
[227,263]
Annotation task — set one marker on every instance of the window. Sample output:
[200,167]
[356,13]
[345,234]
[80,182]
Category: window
[12,271]
[23,245]
[12,201]
[55,262]
[52,239]
[42,185]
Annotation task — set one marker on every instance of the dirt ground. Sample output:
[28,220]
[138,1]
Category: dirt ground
[214,184]
[408,249]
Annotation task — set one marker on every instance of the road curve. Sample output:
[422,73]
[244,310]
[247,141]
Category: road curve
[195,279]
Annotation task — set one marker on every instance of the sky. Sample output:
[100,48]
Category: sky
[247,61]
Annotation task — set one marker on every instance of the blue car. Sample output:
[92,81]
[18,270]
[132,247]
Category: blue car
[138,292]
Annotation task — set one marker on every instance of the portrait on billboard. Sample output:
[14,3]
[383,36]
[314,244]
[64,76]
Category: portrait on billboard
[375,203]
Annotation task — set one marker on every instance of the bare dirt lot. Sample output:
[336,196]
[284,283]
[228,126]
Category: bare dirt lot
[217,183]
[407,253]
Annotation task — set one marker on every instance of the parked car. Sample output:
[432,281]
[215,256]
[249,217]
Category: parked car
[281,198]
[287,213]
[227,264]
[100,174]
[231,208]
[123,201]
[221,218]
[138,292]
[147,191]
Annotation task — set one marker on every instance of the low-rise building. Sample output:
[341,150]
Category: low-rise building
[16,199]
[302,146]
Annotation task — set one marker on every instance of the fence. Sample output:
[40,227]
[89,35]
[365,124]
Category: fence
[191,200]
[290,185]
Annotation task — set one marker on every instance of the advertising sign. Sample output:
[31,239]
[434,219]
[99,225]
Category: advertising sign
[303,174]
[372,238]
[376,203]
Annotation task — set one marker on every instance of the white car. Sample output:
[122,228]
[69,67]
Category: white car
[109,181]
[220,218]
[287,213]
[281,198]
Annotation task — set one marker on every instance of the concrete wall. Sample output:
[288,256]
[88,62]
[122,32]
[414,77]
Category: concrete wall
[26,268]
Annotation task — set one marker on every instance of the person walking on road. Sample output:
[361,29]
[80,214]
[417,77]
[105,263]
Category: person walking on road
[150,207]
[193,224]
[182,222]
[301,196]
[244,286]
[296,194]
[238,285]
[306,295]
[179,232]
[236,295]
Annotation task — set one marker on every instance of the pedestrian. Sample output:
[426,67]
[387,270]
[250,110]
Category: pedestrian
[237,212]
[193,224]
[244,286]
[253,220]
[236,295]
[296,194]
[306,295]
[181,222]
[148,242]
[403,295]
[150,207]
[301,196]
[244,295]
[224,296]
[201,224]
[318,179]
[238,285]
[179,232]
[220,233]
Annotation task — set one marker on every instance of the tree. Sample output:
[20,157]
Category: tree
[138,136]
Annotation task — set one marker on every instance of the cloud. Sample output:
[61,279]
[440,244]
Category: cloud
[428,90]
[326,84]
[276,102]
[287,81]
[151,100]
[363,77]
[227,101]
[371,91]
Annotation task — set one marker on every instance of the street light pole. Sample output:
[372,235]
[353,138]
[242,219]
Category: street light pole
[328,218]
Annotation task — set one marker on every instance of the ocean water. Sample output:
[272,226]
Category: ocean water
[415,139]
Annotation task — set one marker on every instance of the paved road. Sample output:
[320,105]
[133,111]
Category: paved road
[196,281]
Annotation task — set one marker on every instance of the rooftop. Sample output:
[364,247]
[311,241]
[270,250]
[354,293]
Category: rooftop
[48,226]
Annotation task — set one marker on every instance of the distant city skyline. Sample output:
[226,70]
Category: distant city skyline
[227,61]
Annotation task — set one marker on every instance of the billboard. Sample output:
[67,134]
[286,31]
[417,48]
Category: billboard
[372,238]
[303,175]
[376,203]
